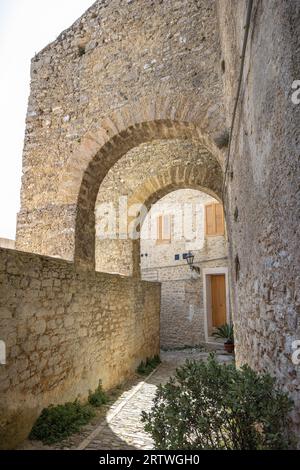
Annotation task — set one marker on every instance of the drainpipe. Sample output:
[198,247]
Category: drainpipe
[245,41]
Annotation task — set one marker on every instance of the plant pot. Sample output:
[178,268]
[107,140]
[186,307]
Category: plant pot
[229,347]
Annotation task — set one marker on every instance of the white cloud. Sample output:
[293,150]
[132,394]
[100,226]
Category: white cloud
[25,28]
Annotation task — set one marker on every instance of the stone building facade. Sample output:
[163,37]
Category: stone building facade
[185,315]
[217,75]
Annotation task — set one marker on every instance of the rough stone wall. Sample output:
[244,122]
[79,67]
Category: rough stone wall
[182,315]
[263,205]
[119,66]
[182,298]
[182,303]
[64,331]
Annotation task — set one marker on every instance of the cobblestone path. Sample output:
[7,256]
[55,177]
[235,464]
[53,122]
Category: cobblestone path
[122,427]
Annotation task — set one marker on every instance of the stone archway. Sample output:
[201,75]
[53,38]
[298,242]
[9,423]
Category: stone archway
[100,164]
[91,89]
[144,175]
[176,178]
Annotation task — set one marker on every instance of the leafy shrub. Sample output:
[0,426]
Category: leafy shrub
[147,367]
[58,422]
[98,398]
[216,406]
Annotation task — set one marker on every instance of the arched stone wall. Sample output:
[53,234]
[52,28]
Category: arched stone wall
[153,198]
[152,118]
[99,166]
[124,73]
[144,175]
[176,178]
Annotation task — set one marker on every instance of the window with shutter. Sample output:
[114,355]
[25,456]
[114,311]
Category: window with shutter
[219,219]
[209,211]
[214,219]
[163,229]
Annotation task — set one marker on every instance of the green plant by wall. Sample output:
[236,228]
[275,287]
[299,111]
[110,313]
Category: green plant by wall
[98,398]
[56,423]
[148,366]
[225,332]
[59,422]
[208,405]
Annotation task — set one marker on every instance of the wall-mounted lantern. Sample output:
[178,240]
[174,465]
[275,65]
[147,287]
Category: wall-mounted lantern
[190,261]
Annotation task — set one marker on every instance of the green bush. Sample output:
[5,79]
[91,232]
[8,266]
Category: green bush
[208,405]
[98,398]
[58,422]
[147,367]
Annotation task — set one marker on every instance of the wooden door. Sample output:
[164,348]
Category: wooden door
[218,300]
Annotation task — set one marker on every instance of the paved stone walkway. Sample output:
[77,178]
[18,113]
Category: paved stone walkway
[122,427]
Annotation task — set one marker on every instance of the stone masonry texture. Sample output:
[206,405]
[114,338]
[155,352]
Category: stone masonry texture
[262,197]
[127,74]
[113,80]
[64,332]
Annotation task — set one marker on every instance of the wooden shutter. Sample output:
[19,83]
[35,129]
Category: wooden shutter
[219,219]
[159,229]
[163,229]
[209,218]
[214,219]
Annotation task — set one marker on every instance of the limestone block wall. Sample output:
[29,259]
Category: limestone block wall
[263,205]
[121,65]
[213,248]
[64,331]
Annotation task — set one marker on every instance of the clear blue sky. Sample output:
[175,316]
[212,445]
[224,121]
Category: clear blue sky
[26,26]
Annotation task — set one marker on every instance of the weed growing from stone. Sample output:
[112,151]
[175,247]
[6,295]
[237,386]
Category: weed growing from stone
[149,365]
[98,398]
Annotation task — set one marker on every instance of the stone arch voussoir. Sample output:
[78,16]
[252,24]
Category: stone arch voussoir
[177,177]
[143,121]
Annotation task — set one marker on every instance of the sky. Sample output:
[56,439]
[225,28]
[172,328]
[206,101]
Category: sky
[26,27]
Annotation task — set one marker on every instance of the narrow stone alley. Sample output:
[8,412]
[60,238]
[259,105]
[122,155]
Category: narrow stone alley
[122,427]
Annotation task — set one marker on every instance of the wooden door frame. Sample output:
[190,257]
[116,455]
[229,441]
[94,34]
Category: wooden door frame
[207,273]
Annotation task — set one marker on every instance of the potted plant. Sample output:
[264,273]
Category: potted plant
[226,332]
